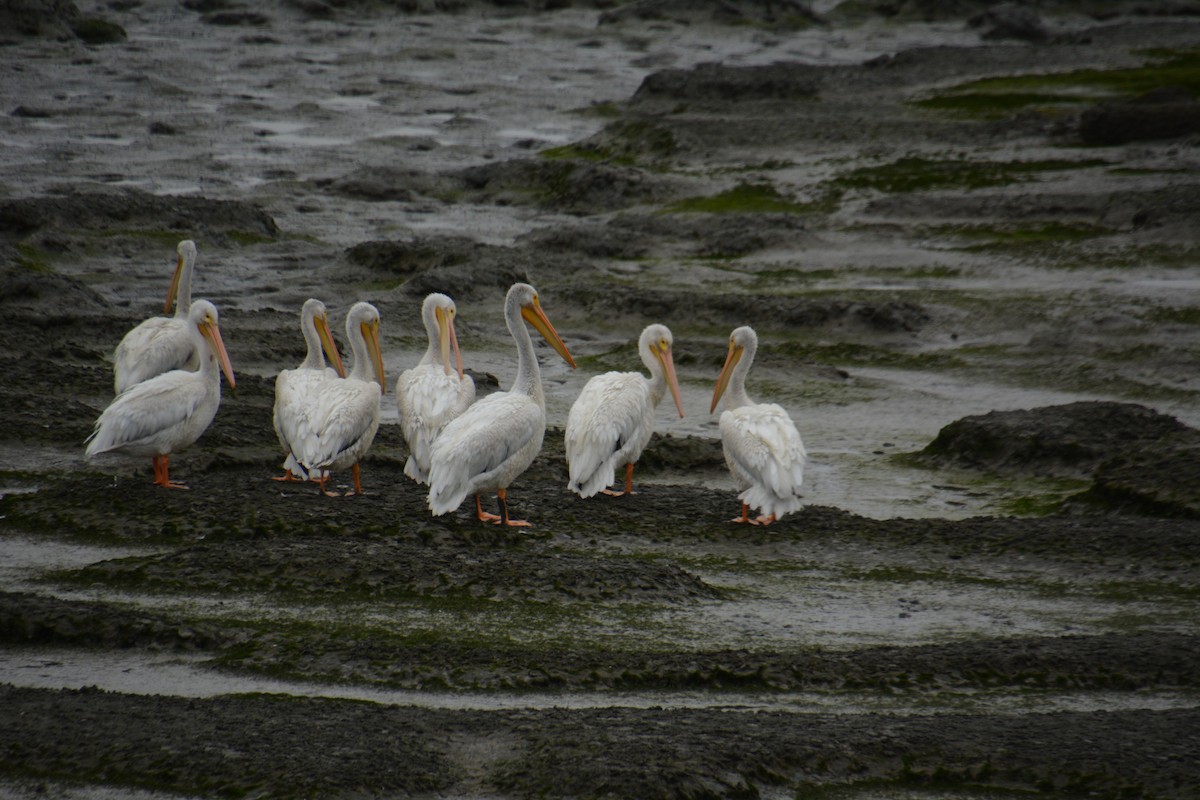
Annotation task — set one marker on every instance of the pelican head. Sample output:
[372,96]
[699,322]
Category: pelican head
[362,324]
[743,340]
[657,341]
[186,257]
[314,313]
[203,315]
[443,311]
[531,311]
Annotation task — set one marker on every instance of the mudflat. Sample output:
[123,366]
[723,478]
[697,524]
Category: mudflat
[967,239]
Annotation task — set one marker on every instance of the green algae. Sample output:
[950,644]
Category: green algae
[993,98]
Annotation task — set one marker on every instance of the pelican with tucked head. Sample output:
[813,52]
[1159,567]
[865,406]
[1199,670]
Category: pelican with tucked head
[168,412]
[497,438]
[612,420]
[161,344]
[346,418]
[435,391]
[298,391]
[762,446]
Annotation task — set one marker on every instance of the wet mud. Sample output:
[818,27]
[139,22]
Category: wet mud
[976,294]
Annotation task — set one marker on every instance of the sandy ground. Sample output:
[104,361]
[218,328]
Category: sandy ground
[1012,610]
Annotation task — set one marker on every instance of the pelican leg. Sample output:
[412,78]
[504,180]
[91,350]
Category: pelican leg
[357,482]
[763,520]
[482,515]
[502,496]
[324,479]
[628,484]
[745,517]
[161,474]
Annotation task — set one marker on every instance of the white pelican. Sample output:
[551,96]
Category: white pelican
[347,413]
[433,392]
[762,447]
[161,344]
[168,412]
[297,391]
[496,439]
[611,421]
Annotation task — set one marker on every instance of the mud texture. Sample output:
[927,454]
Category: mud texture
[959,276]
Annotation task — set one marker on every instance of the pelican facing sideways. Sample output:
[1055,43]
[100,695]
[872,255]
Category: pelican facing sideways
[435,391]
[168,412]
[762,446]
[612,419]
[161,344]
[298,391]
[497,438]
[347,413]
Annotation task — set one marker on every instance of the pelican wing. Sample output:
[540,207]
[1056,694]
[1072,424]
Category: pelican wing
[158,345]
[494,440]
[765,455]
[297,404]
[428,399]
[147,411]
[608,426]
[346,419]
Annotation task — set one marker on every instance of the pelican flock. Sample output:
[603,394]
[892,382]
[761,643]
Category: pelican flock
[435,391]
[161,344]
[762,446]
[167,375]
[611,422]
[346,417]
[298,391]
[168,412]
[497,438]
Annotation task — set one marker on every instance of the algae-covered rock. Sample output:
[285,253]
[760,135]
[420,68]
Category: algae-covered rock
[1071,440]
[1162,482]
[1141,461]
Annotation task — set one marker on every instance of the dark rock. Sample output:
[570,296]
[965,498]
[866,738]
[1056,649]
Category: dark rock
[383,183]
[207,6]
[234,18]
[1070,440]
[789,14]
[22,286]
[457,266]
[720,82]
[31,113]
[93,30]
[568,186]
[1010,21]
[1160,482]
[1165,113]
[49,18]
[408,258]
[132,208]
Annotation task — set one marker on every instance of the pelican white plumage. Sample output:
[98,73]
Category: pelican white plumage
[612,420]
[762,447]
[497,438]
[346,418]
[298,391]
[161,344]
[431,394]
[168,412]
